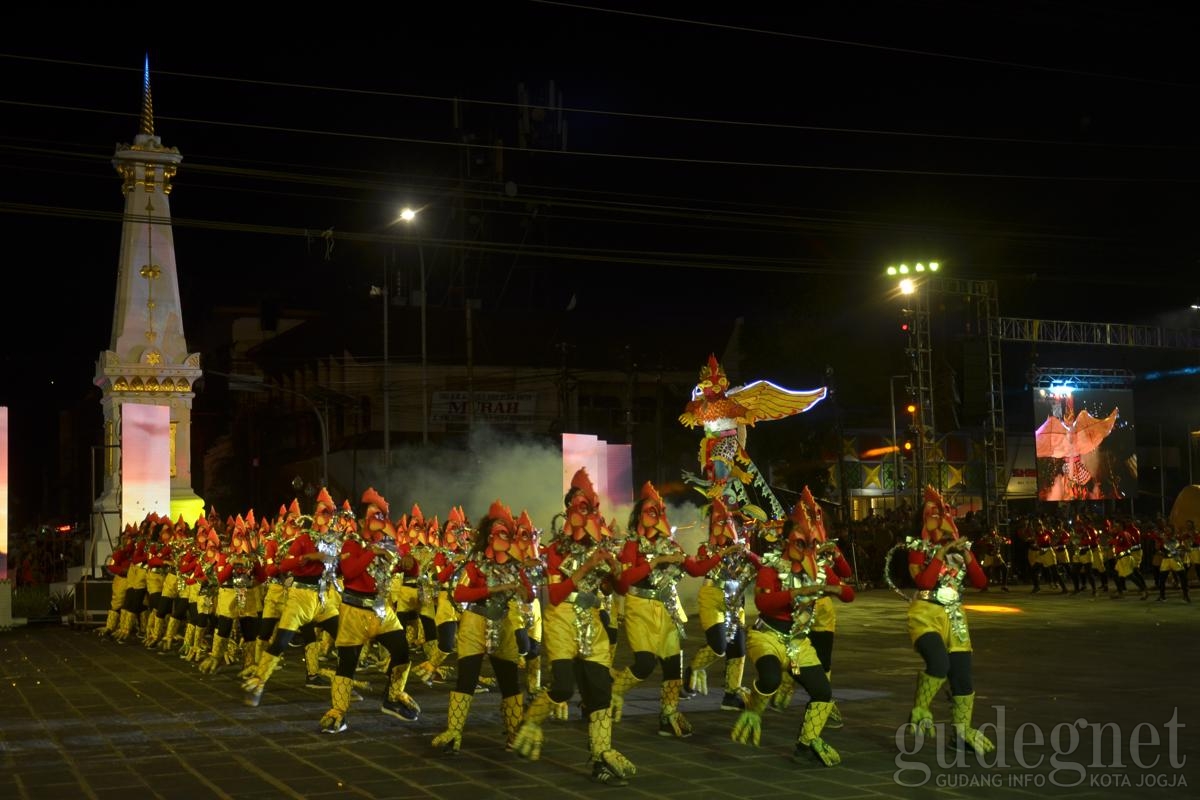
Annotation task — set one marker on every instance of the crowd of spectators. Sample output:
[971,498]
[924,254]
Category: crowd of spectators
[42,556]
[866,542]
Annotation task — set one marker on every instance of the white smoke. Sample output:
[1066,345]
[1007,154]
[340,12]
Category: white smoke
[523,474]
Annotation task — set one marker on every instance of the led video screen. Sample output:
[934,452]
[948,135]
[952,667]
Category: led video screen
[1085,444]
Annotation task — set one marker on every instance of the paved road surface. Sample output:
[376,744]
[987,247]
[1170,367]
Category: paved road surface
[85,718]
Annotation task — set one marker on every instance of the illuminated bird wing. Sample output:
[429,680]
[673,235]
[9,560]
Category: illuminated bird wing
[764,400]
[1052,439]
[1090,432]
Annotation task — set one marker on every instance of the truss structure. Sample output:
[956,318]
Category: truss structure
[999,330]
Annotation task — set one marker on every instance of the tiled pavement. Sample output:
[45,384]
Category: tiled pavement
[85,718]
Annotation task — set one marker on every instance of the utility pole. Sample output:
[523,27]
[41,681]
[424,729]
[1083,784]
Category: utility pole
[387,400]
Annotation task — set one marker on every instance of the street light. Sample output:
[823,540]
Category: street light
[256,384]
[408,216]
[906,277]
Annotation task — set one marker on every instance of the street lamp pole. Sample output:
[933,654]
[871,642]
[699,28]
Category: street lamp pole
[256,383]
[895,444]
[387,400]
[424,351]
[408,215]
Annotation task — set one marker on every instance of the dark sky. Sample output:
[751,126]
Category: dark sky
[759,162]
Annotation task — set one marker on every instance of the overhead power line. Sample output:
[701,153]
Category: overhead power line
[631,115]
[593,154]
[867,45]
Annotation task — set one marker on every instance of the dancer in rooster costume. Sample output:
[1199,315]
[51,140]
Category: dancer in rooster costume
[274,543]
[651,568]
[117,567]
[940,563]
[135,582]
[1175,561]
[240,577]
[448,562]
[493,578]
[729,569]
[202,579]
[158,564]
[423,545]
[824,628]
[174,594]
[577,645]
[366,563]
[312,599]
[527,614]
[788,587]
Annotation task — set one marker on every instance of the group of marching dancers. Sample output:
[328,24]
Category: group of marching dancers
[1104,556]
[379,590]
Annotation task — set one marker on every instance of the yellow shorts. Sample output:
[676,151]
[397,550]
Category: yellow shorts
[824,614]
[170,587]
[154,582]
[562,634]
[712,607]
[404,599]
[303,607]
[926,617]
[120,584]
[794,654]
[274,600]
[357,626]
[238,603]
[650,627]
[447,609]
[136,577]
[473,636]
[205,600]
[530,619]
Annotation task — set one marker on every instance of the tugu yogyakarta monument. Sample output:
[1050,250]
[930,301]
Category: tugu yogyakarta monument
[147,362]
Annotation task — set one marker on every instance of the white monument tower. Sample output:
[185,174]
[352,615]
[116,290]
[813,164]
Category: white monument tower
[147,363]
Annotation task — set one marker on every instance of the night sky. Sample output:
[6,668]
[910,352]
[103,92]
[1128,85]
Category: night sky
[766,164]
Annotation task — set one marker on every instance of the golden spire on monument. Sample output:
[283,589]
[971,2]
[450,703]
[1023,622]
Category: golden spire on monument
[146,127]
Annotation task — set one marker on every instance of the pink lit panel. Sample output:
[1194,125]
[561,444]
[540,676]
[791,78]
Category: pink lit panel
[610,466]
[145,461]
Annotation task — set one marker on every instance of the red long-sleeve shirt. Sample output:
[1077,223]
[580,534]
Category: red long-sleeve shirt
[705,562]
[353,564]
[118,562]
[558,590]
[636,567]
[294,565]
[927,578]
[841,566]
[159,556]
[475,589]
[774,602]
